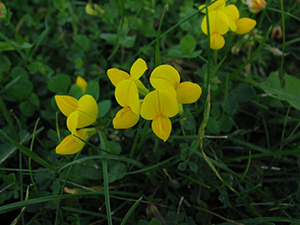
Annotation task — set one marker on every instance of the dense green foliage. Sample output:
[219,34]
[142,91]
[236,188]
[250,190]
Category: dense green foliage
[244,170]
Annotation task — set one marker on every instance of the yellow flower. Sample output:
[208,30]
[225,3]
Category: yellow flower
[217,5]
[137,70]
[218,26]
[72,144]
[255,6]
[159,106]
[127,96]
[80,82]
[86,107]
[167,78]
[237,25]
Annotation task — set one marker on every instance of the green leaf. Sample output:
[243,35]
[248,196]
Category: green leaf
[213,126]
[21,90]
[182,166]
[188,44]
[4,46]
[82,41]
[27,108]
[155,221]
[225,124]
[19,71]
[75,91]
[244,92]
[34,99]
[59,83]
[193,166]
[104,107]
[290,92]
[116,171]
[127,41]
[93,89]
[90,170]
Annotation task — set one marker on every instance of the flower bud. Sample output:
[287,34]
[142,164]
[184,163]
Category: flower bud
[3,11]
[255,5]
[277,29]
[96,11]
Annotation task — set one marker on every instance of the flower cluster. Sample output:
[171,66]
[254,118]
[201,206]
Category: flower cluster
[221,19]
[80,114]
[158,105]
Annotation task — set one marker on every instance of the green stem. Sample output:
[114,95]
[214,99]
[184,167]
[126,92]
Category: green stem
[157,49]
[29,162]
[283,43]
[62,190]
[103,141]
[145,129]
[8,119]
[21,182]
[208,49]
[117,45]
[216,57]
[135,140]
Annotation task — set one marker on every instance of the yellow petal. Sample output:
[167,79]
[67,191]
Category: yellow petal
[244,25]
[168,104]
[138,69]
[188,92]
[165,77]
[127,94]
[81,83]
[218,23]
[215,6]
[162,127]
[87,109]
[233,15]
[66,104]
[72,122]
[125,119]
[69,146]
[217,41]
[116,76]
[159,102]
[149,108]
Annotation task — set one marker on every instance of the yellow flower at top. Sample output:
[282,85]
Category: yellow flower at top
[221,19]
[136,71]
[255,6]
[237,25]
[80,82]
[127,96]
[86,107]
[217,5]
[167,78]
[159,106]
[218,26]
